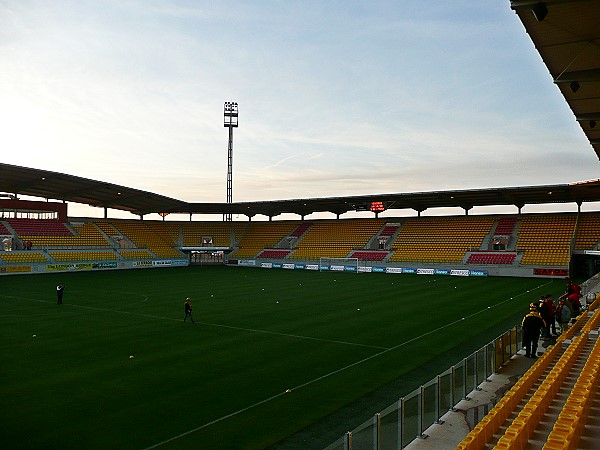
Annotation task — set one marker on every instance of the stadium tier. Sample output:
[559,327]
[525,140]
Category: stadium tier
[440,239]
[529,242]
[260,235]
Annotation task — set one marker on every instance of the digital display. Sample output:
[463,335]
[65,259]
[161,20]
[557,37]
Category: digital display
[377,206]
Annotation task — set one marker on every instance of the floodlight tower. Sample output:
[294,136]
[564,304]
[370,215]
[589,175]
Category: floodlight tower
[230,120]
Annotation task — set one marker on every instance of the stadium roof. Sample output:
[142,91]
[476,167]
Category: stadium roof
[23,181]
[566,33]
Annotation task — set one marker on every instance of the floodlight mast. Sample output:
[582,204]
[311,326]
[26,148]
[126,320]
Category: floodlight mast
[230,120]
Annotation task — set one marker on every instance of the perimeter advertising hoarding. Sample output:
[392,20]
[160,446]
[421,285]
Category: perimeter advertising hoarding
[365,269]
[478,273]
[425,271]
[562,273]
[459,272]
[15,269]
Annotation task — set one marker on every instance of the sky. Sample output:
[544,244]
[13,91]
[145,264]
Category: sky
[335,98]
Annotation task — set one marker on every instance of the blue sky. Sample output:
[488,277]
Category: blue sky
[335,97]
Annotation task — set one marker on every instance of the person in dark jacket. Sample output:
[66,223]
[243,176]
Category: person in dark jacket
[187,308]
[59,293]
[532,326]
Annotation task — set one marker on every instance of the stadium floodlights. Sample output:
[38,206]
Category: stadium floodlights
[338,264]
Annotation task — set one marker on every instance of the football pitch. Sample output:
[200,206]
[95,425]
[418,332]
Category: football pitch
[271,352]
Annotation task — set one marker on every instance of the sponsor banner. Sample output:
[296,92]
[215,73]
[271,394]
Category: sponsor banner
[394,270]
[459,272]
[379,269]
[365,269]
[442,272]
[180,262]
[425,272]
[15,269]
[247,262]
[324,267]
[592,252]
[276,265]
[165,262]
[266,265]
[312,267]
[409,270]
[85,266]
[336,268]
[104,265]
[57,267]
[142,264]
[479,273]
[299,266]
[288,266]
[563,273]
[350,268]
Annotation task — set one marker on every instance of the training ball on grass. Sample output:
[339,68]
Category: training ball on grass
[130,356]
[34,335]
[288,391]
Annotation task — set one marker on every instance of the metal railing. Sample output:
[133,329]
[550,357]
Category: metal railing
[409,417]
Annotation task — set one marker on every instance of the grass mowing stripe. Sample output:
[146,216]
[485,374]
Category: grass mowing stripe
[315,380]
[250,330]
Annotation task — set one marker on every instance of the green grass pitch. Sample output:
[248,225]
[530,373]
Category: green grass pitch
[272,351]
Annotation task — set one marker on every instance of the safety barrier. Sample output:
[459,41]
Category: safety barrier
[409,417]
[524,424]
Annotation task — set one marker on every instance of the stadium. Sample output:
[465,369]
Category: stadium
[384,322]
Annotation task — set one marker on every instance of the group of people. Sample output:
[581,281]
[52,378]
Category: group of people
[545,314]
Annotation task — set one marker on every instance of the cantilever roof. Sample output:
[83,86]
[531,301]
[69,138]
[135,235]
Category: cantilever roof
[58,186]
[566,33]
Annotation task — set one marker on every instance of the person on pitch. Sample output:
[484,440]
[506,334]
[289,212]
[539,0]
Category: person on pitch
[59,293]
[187,308]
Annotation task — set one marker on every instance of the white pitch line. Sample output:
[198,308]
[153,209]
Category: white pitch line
[292,335]
[315,380]
[217,325]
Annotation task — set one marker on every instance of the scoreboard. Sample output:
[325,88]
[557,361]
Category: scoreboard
[375,207]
